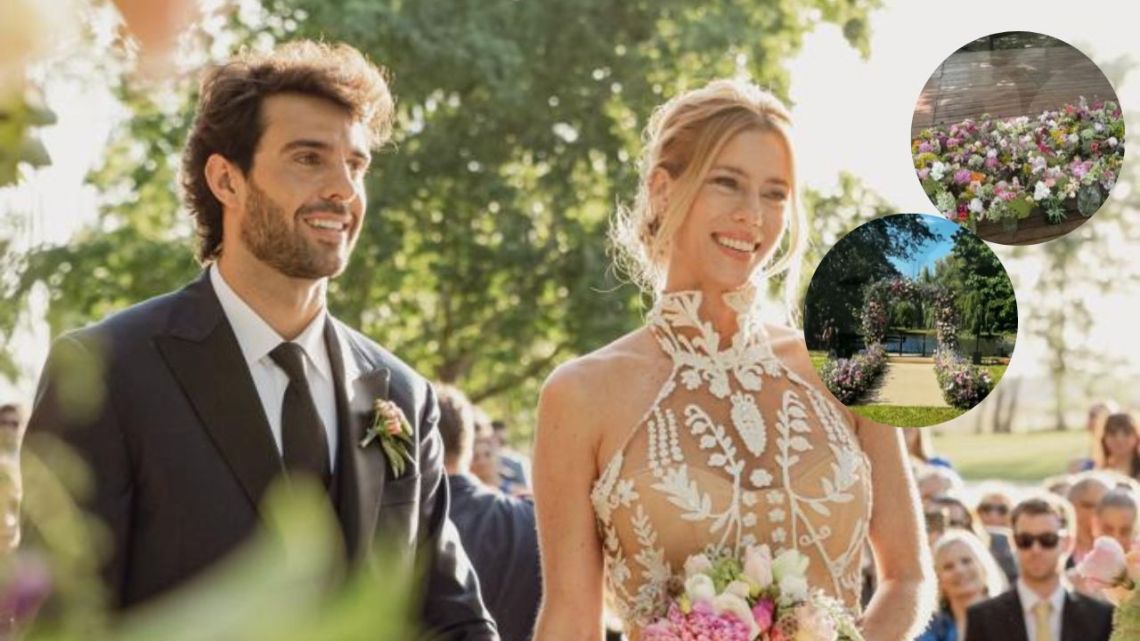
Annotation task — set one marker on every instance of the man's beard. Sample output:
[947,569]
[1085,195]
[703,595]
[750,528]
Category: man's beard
[269,237]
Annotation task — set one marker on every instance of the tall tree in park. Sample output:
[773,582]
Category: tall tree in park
[988,302]
[483,259]
[1098,258]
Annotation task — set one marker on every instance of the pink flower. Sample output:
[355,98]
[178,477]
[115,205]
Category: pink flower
[763,612]
[962,176]
[1105,565]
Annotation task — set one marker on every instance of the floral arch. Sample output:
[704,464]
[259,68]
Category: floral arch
[880,294]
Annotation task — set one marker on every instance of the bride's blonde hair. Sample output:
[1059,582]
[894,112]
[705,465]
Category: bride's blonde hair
[684,136]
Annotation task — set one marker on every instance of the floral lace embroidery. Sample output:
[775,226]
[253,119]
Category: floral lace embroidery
[761,499]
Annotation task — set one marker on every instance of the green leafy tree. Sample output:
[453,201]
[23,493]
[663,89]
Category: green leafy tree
[483,259]
[987,301]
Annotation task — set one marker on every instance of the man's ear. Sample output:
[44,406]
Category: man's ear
[225,180]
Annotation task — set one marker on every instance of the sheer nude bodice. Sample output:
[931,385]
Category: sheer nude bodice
[737,449]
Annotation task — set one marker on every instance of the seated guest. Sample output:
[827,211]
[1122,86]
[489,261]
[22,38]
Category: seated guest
[1116,518]
[935,480]
[966,575]
[497,531]
[1058,484]
[1039,607]
[1094,426]
[1085,495]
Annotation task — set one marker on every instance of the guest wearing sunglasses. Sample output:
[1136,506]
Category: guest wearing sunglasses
[1039,607]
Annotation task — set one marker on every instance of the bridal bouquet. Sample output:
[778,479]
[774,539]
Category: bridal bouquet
[1116,574]
[722,598]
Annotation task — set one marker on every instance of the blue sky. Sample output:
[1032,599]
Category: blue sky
[931,251]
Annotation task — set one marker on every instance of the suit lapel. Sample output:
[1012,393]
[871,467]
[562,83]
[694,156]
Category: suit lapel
[1017,630]
[203,354]
[1070,618]
[361,471]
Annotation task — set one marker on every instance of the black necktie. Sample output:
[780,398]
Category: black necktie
[303,443]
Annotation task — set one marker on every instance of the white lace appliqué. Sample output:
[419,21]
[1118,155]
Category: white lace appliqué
[739,446]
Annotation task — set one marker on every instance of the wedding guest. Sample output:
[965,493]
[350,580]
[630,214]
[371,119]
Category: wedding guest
[994,504]
[497,531]
[1084,495]
[13,421]
[514,468]
[485,461]
[1058,485]
[1118,445]
[921,448]
[966,575]
[1116,518]
[935,480]
[1040,607]
[957,514]
[1094,427]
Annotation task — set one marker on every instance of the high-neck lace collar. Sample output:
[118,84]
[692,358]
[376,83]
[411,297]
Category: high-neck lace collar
[678,312]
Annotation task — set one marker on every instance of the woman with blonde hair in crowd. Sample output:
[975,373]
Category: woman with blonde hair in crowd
[700,402]
[966,575]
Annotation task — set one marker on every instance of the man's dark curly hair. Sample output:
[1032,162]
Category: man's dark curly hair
[229,122]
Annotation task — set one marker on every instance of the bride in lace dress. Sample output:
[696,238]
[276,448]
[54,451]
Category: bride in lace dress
[706,428]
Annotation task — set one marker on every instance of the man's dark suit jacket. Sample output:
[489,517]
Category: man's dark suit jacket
[159,401]
[1002,619]
[499,535]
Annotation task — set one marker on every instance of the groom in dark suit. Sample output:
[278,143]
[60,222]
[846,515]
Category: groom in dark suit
[1040,607]
[187,406]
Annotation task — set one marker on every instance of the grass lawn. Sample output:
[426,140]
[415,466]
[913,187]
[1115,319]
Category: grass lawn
[996,371]
[1026,457]
[817,358]
[901,416]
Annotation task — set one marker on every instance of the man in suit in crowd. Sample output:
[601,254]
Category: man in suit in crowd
[1039,607]
[187,406]
[497,530]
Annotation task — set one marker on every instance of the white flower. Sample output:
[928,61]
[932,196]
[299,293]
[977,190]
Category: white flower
[697,564]
[991,153]
[789,563]
[976,206]
[739,588]
[1112,142]
[815,624]
[1040,191]
[938,170]
[758,565]
[793,588]
[700,587]
[1098,126]
[737,607]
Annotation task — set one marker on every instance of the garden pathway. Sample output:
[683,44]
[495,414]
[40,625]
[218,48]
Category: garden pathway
[910,381]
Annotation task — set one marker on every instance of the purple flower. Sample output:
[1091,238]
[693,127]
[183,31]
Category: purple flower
[962,176]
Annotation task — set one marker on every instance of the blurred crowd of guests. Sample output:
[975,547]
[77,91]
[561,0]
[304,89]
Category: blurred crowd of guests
[1005,556]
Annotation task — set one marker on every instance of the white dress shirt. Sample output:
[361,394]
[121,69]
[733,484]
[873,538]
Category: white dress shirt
[1029,599]
[256,339]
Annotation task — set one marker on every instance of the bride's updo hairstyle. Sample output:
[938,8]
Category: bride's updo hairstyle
[684,137]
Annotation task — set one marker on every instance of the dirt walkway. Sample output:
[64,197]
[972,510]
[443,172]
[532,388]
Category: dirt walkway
[909,381]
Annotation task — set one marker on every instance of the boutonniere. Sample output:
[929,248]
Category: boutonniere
[392,429]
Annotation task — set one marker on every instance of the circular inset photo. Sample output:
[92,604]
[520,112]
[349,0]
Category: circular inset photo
[910,320]
[1019,137]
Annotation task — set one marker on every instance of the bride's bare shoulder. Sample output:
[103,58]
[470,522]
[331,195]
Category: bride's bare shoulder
[594,374]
